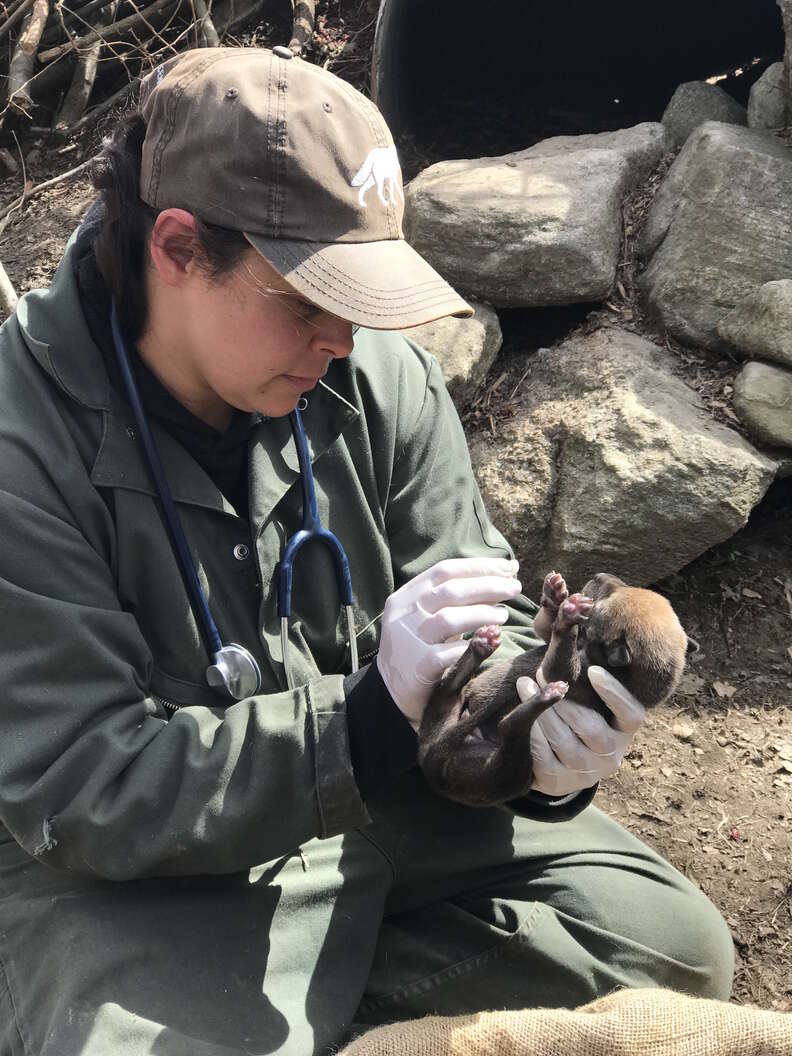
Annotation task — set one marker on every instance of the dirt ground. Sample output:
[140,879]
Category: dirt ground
[708,782]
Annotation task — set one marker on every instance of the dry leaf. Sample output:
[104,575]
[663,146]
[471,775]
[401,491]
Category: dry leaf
[724,690]
[750,593]
[666,771]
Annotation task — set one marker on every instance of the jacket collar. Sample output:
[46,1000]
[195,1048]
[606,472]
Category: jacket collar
[76,365]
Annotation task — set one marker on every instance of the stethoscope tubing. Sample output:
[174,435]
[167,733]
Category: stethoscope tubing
[223,655]
[189,574]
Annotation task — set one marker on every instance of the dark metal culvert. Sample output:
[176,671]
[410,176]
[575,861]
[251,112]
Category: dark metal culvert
[468,79]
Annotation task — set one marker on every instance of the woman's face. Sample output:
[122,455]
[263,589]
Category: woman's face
[252,342]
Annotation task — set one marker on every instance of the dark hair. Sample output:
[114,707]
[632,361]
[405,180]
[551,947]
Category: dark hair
[122,243]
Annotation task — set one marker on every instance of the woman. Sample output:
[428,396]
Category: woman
[182,872]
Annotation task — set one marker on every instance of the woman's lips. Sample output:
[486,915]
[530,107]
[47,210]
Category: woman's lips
[303,384]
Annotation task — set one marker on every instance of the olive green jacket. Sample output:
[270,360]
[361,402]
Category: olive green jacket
[99,771]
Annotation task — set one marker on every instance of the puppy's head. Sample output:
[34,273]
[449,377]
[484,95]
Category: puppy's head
[636,635]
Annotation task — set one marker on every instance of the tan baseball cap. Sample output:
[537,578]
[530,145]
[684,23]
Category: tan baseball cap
[264,143]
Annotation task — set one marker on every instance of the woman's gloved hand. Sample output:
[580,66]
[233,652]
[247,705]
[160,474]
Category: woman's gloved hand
[572,746]
[451,598]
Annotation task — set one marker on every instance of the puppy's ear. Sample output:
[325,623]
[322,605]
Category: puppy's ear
[692,645]
[618,655]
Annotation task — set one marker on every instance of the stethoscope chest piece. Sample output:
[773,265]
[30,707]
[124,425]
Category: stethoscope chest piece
[235,670]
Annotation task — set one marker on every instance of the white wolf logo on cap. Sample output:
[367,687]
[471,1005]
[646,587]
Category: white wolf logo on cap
[380,170]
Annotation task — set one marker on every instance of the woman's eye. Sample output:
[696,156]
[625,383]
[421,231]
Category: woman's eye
[305,309]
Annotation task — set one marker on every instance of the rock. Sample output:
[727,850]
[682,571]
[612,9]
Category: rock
[720,225]
[761,324]
[763,399]
[613,464]
[694,103]
[8,162]
[642,146]
[538,227]
[683,730]
[766,104]
[465,348]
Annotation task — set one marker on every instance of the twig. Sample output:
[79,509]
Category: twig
[45,186]
[83,78]
[77,12]
[8,295]
[29,41]
[20,73]
[104,106]
[205,24]
[303,26]
[94,35]
[12,20]
[9,9]
[4,220]
[157,33]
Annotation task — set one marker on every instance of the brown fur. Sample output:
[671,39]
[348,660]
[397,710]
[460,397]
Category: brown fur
[473,743]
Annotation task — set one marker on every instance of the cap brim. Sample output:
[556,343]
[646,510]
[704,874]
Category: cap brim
[383,285]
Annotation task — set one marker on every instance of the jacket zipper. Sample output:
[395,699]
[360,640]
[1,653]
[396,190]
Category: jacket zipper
[168,705]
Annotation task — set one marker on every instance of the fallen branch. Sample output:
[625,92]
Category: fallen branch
[29,40]
[8,296]
[20,73]
[19,12]
[90,38]
[205,24]
[104,106]
[75,13]
[76,99]
[45,186]
[303,26]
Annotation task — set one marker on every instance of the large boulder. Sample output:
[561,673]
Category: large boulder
[613,464]
[695,102]
[538,227]
[763,399]
[465,348]
[720,225]
[760,326]
[766,104]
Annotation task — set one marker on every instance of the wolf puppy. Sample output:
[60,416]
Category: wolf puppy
[473,743]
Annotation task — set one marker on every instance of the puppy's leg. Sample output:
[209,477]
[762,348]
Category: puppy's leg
[510,772]
[562,662]
[482,645]
[442,713]
[554,592]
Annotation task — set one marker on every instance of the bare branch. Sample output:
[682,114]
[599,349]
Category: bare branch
[206,24]
[76,99]
[29,41]
[8,296]
[303,27]
[19,12]
[94,35]
[45,186]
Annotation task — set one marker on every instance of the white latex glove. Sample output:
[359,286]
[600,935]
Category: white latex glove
[451,598]
[572,746]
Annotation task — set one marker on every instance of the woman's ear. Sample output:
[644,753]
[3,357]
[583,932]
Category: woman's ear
[172,245]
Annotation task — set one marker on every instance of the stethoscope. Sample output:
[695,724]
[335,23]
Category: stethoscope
[234,668]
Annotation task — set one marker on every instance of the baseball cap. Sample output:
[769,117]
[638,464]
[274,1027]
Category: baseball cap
[304,165]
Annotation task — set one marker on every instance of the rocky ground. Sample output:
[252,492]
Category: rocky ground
[708,782]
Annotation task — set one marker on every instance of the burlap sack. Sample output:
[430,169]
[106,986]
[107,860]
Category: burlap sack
[627,1023]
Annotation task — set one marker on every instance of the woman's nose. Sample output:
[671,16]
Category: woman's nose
[334,337]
